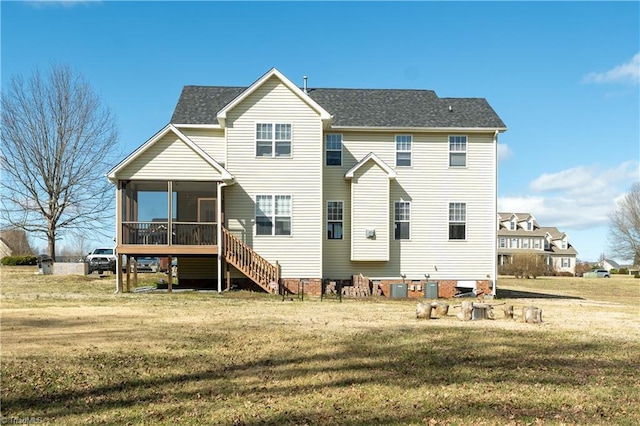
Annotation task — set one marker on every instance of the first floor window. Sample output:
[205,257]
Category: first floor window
[402,220]
[566,263]
[273,215]
[273,140]
[334,220]
[458,151]
[457,221]
[403,150]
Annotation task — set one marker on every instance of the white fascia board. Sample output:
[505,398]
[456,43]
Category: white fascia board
[198,126]
[222,114]
[421,129]
[371,156]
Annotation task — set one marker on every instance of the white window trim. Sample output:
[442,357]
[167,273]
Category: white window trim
[273,140]
[329,220]
[449,222]
[326,150]
[273,215]
[466,151]
[410,151]
[396,220]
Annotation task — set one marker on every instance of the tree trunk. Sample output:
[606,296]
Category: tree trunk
[441,308]
[466,309]
[508,311]
[423,310]
[532,315]
[51,241]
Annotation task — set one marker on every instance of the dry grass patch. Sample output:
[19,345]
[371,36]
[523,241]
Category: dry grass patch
[75,353]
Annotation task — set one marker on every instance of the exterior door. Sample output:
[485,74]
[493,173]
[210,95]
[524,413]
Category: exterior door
[207,214]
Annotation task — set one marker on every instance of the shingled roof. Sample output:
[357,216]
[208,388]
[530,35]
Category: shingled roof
[393,108]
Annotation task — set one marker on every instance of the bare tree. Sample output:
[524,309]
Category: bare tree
[58,142]
[624,226]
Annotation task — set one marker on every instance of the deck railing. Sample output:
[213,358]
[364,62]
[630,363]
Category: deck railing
[247,261]
[182,233]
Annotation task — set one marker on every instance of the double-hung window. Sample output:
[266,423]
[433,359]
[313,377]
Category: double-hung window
[334,220]
[273,215]
[333,146]
[403,150]
[273,140]
[402,220]
[457,221]
[457,151]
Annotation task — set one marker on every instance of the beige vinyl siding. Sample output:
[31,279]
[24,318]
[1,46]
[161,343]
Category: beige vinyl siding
[161,160]
[430,185]
[210,140]
[370,211]
[299,176]
[197,268]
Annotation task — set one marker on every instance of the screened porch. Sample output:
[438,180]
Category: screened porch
[168,217]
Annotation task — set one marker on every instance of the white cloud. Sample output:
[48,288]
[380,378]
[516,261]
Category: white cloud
[504,151]
[577,198]
[628,72]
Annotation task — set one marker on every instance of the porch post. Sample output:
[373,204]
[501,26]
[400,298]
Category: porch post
[169,271]
[219,224]
[128,271]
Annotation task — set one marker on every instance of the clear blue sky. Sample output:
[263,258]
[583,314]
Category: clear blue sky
[563,76]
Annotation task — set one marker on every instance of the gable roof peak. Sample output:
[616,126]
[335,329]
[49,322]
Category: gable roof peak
[371,157]
[273,72]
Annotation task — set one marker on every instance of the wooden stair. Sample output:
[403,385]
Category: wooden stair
[237,253]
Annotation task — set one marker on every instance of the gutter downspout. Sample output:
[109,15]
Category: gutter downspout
[219,231]
[115,240]
[495,216]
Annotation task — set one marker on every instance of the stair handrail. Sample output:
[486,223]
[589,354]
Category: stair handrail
[248,261]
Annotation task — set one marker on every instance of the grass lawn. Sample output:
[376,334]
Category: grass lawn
[73,352]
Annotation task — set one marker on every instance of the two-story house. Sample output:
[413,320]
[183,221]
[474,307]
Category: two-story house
[520,233]
[279,183]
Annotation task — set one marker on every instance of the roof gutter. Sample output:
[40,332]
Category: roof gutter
[423,129]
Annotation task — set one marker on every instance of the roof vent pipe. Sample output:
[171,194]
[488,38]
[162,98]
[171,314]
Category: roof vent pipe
[450,108]
[304,87]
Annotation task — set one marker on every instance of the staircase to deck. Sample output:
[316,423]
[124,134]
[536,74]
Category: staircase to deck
[237,253]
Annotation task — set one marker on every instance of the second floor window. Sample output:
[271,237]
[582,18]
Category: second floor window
[273,140]
[333,146]
[334,220]
[403,150]
[457,221]
[457,151]
[402,220]
[273,215]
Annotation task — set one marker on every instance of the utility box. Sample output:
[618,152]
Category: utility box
[431,291]
[398,291]
[45,265]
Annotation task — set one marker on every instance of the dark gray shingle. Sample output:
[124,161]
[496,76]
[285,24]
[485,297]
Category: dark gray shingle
[355,107]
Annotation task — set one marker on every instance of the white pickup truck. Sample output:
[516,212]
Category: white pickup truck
[101,259]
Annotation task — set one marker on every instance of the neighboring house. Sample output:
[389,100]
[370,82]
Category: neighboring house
[276,183]
[609,264]
[5,250]
[14,242]
[520,233]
